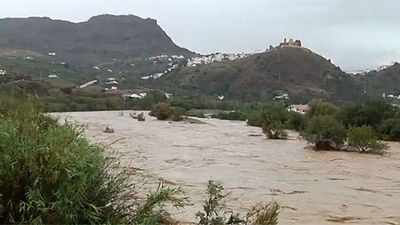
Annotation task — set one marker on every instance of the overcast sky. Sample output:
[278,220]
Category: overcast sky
[355,34]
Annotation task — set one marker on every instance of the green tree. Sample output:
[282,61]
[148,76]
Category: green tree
[321,108]
[350,115]
[295,121]
[374,112]
[162,111]
[325,132]
[274,118]
[390,129]
[364,140]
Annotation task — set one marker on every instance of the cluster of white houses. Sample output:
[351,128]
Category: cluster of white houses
[384,95]
[167,57]
[215,57]
[158,75]
[3,72]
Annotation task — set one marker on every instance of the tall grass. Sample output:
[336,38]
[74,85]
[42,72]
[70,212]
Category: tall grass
[50,174]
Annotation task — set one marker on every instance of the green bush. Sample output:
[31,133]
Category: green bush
[325,132]
[295,121]
[274,118]
[321,108]
[364,140]
[162,111]
[372,113]
[230,116]
[274,130]
[254,118]
[178,113]
[50,174]
[214,213]
[195,113]
[390,129]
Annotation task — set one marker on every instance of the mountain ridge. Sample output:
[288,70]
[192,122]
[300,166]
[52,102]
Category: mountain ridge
[99,39]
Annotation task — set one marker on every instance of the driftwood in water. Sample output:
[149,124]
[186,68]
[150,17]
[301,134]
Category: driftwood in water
[108,130]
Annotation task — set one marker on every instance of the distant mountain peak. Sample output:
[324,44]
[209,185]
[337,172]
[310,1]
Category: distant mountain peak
[100,39]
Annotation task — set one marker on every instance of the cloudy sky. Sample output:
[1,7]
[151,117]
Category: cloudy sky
[355,34]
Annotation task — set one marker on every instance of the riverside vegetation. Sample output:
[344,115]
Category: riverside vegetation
[50,174]
[351,127]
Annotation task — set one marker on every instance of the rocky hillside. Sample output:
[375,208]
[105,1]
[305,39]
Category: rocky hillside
[385,81]
[100,40]
[294,70]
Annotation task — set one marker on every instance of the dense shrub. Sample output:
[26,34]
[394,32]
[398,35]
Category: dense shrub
[321,108]
[178,113]
[295,121]
[372,113]
[390,129]
[50,174]
[162,111]
[350,115]
[274,130]
[254,118]
[274,118]
[325,132]
[214,213]
[195,113]
[230,116]
[363,139]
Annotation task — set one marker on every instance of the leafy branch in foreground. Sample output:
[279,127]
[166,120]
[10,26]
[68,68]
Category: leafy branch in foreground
[216,214]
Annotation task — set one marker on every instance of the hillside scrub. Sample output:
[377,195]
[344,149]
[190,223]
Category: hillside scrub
[364,140]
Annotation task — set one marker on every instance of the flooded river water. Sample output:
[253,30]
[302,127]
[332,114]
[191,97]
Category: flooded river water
[313,187]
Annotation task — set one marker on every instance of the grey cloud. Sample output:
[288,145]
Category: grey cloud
[355,34]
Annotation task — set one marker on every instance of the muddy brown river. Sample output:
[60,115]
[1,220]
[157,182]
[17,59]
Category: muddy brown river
[313,187]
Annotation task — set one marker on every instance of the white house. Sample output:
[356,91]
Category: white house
[168,95]
[301,109]
[53,76]
[133,96]
[111,82]
[3,72]
[282,97]
[51,54]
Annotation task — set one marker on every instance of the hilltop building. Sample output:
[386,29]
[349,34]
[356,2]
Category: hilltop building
[290,43]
